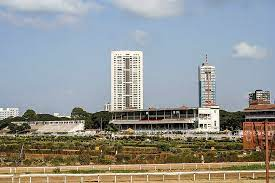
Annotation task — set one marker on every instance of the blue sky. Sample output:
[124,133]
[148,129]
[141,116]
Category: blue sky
[55,54]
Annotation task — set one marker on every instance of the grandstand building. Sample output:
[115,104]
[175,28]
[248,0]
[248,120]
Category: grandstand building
[260,113]
[168,120]
[258,118]
[55,127]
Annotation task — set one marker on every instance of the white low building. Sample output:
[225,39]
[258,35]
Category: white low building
[8,112]
[56,114]
[209,119]
[54,127]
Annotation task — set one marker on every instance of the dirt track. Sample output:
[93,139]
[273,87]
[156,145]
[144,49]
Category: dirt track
[217,177]
[157,171]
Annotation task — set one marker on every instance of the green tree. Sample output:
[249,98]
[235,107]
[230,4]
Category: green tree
[23,128]
[101,119]
[30,115]
[93,120]
[231,120]
[79,113]
[4,123]
[12,127]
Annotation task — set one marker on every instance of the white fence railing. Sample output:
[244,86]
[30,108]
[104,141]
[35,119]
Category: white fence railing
[143,177]
[140,167]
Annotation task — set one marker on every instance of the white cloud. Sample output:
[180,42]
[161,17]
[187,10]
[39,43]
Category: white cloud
[151,8]
[246,50]
[141,37]
[37,21]
[51,6]
[45,13]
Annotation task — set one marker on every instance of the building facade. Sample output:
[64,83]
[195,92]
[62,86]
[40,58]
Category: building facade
[259,97]
[168,120]
[209,119]
[126,80]
[207,85]
[260,113]
[108,107]
[8,112]
[258,119]
[55,127]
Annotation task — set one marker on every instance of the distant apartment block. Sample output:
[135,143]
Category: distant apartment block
[126,80]
[259,97]
[207,85]
[8,112]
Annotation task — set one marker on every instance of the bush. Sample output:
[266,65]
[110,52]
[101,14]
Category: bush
[56,170]
[57,161]
[123,158]
[164,147]
[84,158]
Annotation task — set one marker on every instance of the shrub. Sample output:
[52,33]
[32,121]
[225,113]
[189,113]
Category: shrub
[164,147]
[84,158]
[56,170]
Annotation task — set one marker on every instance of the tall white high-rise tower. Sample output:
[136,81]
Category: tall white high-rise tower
[207,85]
[126,80]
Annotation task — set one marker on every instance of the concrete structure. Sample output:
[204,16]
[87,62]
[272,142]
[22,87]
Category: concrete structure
[108,107]
[209,118]
[259,119]
[126,80]
[260,113]
[168,120]
[259,97]
[8,112]
[56,114]
[207,85]
[55,127]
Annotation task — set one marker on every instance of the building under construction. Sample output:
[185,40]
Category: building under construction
[207,84]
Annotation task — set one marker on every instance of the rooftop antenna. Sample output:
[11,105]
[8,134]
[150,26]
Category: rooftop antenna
[206,61]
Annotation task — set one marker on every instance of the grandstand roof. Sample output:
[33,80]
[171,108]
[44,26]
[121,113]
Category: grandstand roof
[260,107]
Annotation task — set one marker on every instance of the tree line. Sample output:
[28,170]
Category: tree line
[231,120]
[97,120]
[100,120]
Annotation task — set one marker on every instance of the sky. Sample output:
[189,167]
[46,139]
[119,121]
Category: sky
[55,54]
